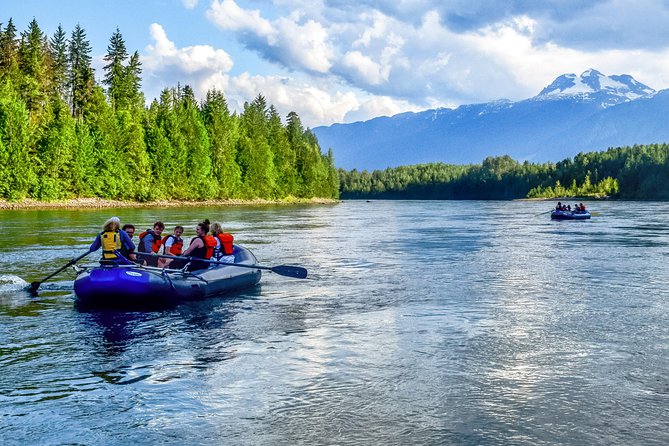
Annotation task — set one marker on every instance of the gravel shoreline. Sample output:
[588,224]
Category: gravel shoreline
[99,203]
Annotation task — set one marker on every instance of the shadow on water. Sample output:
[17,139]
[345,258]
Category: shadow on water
[113,331]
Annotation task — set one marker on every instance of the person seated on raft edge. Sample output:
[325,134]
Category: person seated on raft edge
[172,246]
[150,242]
[582,206]
[201,247]
[558,207]
[224,251]
[111,239]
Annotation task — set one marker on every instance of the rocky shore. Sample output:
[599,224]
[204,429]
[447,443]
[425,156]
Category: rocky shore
[99,203]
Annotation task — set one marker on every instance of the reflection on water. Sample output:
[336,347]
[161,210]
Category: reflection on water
[421,323]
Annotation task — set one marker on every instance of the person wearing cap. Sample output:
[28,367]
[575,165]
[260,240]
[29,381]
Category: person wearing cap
[111,240]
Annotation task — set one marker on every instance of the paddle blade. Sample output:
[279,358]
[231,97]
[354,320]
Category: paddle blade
[32,289]
[290,271]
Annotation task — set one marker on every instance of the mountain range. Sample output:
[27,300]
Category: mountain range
[590,112]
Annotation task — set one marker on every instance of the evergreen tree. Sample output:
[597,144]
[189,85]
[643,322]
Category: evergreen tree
[223,134]
[133,82]
[34,80]
[81,77]
[254,154]
[115,72]
[284,156]
[58,52]
[9,48]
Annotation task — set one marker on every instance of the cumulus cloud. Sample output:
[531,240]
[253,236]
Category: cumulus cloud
[200,66]
[290,40]
[189,4]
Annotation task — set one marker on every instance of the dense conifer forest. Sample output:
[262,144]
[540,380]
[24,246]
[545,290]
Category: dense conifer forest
[638,172]
[64,135]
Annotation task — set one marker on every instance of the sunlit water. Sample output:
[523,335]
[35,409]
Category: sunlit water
[422,323]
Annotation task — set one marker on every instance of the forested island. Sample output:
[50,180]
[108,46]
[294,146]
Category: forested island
[64,135]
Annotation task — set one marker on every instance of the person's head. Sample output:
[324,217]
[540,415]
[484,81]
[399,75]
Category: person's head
[559,203]
[158,227]
[178,230]
[113,224]
[202,228]
[216,228]
[129,229]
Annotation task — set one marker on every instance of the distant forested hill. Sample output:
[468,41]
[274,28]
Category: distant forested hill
[638,172]
[63,135]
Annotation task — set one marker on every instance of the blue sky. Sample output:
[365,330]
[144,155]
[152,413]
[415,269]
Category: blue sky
[349,60]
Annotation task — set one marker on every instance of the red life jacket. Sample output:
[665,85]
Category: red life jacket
[177,245]
[226,243]
[210,245]
[157,242]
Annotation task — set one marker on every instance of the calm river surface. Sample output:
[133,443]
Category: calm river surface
[431,323]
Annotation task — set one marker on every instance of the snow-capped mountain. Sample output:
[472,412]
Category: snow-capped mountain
[573,114]
[592,83]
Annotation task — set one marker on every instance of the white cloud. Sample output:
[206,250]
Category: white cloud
[189,4]
[291,41]
[163,55]
[364,68]
[229,16]
[316,105]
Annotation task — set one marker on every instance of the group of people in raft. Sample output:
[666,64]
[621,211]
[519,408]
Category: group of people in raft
[118,247]
[567,208]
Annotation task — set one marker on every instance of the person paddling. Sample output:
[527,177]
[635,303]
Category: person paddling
[112,240]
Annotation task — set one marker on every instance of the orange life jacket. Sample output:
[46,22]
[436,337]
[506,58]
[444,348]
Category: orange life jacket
[177,245]
[157,242]
[210,245]
[226,243]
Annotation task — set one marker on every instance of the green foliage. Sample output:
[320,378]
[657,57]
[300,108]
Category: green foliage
[62,135]
[639,172]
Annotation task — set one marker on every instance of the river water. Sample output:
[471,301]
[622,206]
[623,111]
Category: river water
[431,323]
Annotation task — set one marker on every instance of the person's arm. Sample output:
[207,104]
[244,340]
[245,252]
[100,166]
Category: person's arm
[127,241]
[197,243]
[147,243]
[97,244]
[168,245]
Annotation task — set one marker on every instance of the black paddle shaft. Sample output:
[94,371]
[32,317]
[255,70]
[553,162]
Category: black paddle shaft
[35,285]
[282,270]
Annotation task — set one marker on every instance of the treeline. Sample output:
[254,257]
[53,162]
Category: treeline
[64,135]
[638,172]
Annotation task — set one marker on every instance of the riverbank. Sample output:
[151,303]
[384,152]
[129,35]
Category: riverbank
[99,203]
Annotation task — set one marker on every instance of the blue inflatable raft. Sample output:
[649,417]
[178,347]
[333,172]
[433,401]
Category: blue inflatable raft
[134,286]
[570,215]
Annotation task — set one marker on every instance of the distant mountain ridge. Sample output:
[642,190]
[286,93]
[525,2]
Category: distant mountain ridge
[573,114]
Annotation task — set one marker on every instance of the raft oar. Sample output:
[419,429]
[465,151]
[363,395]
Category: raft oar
[35,285]
[282,270]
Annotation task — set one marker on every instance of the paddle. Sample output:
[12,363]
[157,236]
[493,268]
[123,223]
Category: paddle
[35,285]
[282,270]
[536,215]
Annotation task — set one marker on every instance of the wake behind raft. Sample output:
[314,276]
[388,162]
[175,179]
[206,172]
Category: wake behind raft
[127,286]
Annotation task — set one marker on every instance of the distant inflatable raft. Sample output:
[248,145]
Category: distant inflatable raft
[570,215]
